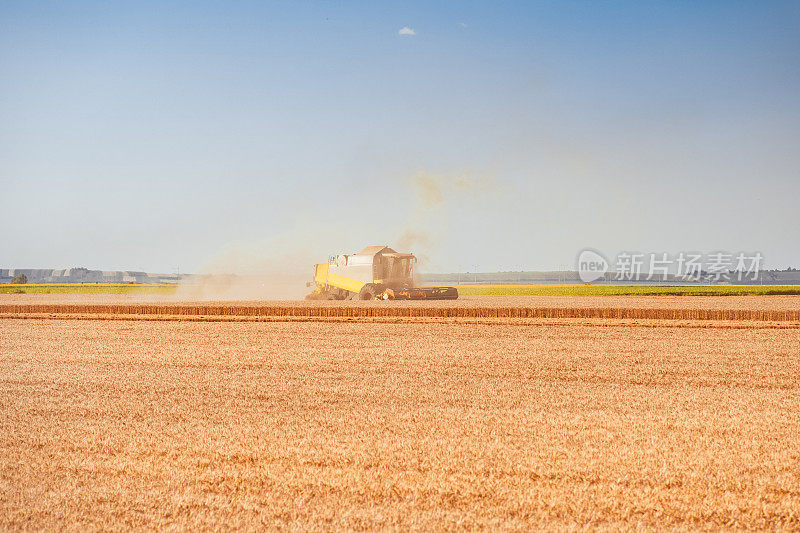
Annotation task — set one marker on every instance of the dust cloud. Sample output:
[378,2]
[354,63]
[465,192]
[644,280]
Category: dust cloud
[432,194]
[279,267]
[433,189]
[252,271]
[244,287]
[411,239]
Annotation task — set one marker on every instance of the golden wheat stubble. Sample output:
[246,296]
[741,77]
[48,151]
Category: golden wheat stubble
[307,425]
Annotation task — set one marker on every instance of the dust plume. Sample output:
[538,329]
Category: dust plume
[433,189]
[268,270]
[243,287]
[278,267]
[432,194]
[413,238]
[429,190]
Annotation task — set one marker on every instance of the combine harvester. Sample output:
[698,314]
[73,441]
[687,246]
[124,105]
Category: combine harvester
[376,272]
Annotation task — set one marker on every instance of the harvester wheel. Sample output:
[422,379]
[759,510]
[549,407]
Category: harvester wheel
[368,292]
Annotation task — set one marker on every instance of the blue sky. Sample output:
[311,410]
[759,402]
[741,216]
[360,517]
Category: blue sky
[229,136]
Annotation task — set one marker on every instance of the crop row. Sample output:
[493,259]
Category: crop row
[396,311]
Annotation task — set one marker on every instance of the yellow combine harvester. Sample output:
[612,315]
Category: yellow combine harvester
[374,272]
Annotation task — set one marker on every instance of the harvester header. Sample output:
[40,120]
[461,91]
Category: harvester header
[376,272]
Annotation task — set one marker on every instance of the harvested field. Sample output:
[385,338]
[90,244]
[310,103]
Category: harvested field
[365,425]
[757,303]
[638,289]
[164,290]
[412,309]
[89,288]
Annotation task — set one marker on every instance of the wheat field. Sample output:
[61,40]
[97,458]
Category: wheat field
[283,425]
[504,289]
[784,308]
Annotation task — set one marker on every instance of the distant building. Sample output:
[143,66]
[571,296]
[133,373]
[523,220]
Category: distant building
[84,275]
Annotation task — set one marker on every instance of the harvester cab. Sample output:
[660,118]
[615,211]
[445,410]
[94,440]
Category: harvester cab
[376,272]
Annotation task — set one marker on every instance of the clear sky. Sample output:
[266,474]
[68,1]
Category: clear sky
[164,135]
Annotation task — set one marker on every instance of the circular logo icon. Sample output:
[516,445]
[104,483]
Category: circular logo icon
[591,265]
